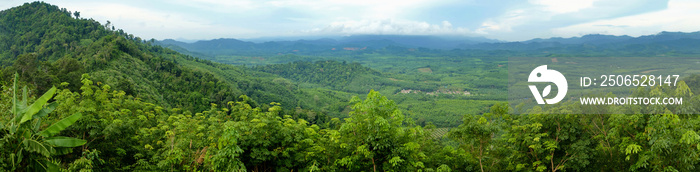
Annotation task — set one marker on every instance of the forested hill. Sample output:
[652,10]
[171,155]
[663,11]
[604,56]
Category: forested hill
[48,45]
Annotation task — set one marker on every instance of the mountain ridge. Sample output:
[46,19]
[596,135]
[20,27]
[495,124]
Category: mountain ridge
[372,41]
[237,46]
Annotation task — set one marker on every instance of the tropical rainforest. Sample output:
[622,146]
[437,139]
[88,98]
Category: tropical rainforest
[79,95]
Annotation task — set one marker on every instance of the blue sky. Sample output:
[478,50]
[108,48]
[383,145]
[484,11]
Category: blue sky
[509,20]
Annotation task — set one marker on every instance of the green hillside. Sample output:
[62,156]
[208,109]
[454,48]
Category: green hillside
[49,46]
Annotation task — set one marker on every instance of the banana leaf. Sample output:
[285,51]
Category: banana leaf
[37,105]
[60,125]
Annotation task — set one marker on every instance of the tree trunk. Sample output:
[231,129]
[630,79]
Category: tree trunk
[481,156]
[374,165]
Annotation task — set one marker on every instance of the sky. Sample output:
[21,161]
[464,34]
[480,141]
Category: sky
[507,20]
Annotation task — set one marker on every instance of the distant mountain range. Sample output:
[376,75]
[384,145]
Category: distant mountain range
[608,41]
[357,41]
[605,39]
[681,41]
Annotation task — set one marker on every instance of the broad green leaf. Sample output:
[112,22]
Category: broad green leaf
[46,110]
[37,124]
[60,125]
[34,146]
[51,166]
[25,97]
[37,105]
[20,107]
[14,96]
[18,158]
[25,132]
[12,158]
[15,103]
[60,141]
[63,151]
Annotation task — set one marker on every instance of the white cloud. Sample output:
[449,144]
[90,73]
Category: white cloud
[506,22]
[564,6]
[547,18]
[10,3]
[219,6]
[681,15]
[517,17]
[151,23]
[389,26]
